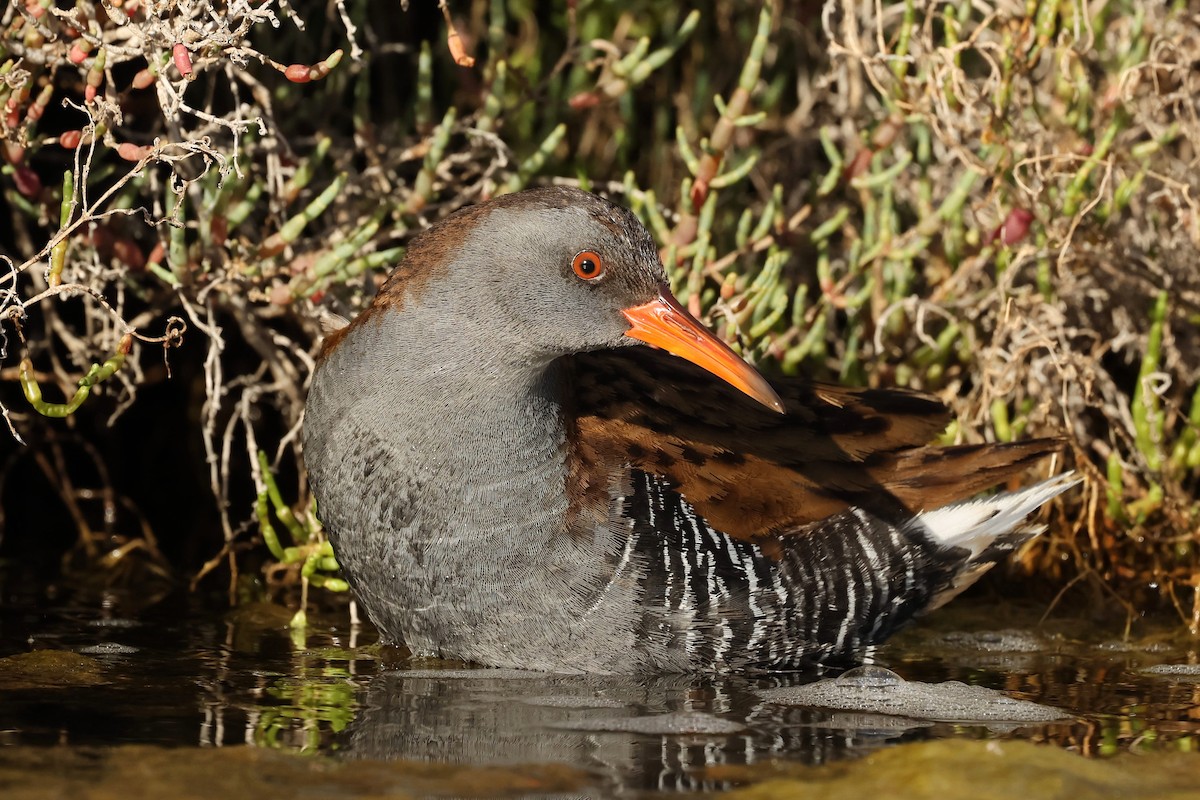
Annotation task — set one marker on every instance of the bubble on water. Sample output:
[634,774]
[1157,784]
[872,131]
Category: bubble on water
[881,691]
[1185,671]
[1002,641]
[869,676]
[1128,646]
[108,649]
[683,722]
[113,622]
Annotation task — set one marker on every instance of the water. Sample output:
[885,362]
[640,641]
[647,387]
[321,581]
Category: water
[184,677]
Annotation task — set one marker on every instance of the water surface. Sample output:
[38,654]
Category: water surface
[79,679]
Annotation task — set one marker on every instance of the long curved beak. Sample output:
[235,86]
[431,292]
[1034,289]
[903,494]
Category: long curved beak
[664,323]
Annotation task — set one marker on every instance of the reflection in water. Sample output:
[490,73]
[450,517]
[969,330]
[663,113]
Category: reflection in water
[184,676]
[476,717]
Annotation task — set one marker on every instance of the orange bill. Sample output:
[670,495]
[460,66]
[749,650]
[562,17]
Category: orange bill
[664,323]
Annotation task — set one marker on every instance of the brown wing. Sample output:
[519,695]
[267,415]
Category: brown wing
[753,473]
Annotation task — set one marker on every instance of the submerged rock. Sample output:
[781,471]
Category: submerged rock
[986,771]
[50,668]
[877,690]
[198,773]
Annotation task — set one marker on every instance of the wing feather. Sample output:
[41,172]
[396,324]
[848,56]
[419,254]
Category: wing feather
[755,474]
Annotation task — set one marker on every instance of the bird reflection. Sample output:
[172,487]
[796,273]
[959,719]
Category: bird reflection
[512,717]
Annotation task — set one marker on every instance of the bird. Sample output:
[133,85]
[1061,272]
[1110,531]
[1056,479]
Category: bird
[527,454]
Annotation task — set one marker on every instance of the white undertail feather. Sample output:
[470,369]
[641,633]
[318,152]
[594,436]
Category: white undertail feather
[330,322]
[975,524]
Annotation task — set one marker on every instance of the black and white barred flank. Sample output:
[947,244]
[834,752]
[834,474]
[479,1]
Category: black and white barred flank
[832,592]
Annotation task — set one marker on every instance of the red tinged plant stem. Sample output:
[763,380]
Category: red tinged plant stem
[144,78]
[132,152]
[302,73]
[79,51]
[27,181]
[182,59]
[1014,228]
[454,42]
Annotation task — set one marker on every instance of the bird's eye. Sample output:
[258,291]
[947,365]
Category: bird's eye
[587,265]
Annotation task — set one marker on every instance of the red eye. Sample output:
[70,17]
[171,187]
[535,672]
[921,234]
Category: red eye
[587,265]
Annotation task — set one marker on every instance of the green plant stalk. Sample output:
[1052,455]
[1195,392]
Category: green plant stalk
[157,270]
[58,253]
[361,102]
[1142,508]
[702,252]
[999,414]
[291,230]
[177,251]
[1146,406]
[267,529]
[530,166]
[1124,193]
[927,356]
[624,65]
[640,72]
[1114,490]
[1139,43]
[371,261]
[769,213]
[306,169]
[1082,100]
[1045,280]
[836,163]
[654,216]
[496,35]
[690,159]
[330,583]
[799,306]
[1008,68]
[951,26]
[1075,191]
[757,298]
[423,185]
[727,123]
[735,172]
[1181,455]
[875,180]
[1045,19]
[889,225]
[899,65]
[493,106]
[830,226]
[741,235]
[424,109]
[284,514]
[852,365]
[336,257]
[952,205]
[810,344]
[241,210]
[321,558]
[97,374]
[639,64]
